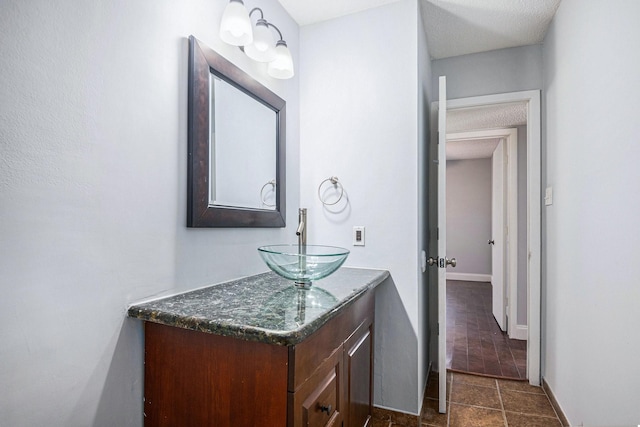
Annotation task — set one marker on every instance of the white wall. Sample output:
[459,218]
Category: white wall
[93,135]
[360,99]
[592,94]
[469,215]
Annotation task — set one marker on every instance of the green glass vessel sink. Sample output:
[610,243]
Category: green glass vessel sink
[303,264]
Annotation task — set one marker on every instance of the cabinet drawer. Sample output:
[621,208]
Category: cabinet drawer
[317,403]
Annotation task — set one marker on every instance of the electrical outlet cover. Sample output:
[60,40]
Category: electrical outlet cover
[358,235]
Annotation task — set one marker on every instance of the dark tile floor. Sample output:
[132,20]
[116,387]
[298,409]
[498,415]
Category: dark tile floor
[475,342]
[481,401]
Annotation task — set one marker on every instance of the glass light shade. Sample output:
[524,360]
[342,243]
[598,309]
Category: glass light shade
[263,48]
[235,28]
[282,66]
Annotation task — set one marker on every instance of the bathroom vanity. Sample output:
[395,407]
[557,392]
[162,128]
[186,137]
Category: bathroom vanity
[260,352]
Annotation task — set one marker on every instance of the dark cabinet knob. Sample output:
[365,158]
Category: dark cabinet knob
[326,409]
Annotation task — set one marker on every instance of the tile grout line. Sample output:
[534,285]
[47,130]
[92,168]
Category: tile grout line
[516,365]
[498,384]
[504,414]
[466,339]
[483,407]
[531,414]
[502,411]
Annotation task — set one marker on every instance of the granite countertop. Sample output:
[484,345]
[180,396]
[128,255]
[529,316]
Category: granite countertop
[264,308]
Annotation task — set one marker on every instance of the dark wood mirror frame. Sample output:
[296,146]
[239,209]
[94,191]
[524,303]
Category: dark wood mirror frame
[203,61]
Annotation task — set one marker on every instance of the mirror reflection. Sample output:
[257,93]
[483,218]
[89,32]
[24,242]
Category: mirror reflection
[242,148]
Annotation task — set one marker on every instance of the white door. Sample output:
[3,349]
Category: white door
[442,245]
[497,241]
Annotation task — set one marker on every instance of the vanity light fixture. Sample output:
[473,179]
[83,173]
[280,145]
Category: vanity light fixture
[257,42]
[263,48]
[282,66]
[235,28]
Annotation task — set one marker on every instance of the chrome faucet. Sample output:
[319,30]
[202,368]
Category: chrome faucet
[301,232]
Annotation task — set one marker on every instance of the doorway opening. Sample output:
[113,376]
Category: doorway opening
[530,100]
[486,295]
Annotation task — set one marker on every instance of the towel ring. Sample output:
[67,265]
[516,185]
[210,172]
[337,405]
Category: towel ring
[273,184]
[334,181]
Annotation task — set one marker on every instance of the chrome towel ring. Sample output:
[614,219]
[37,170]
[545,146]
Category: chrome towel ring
[334,181]
[273,184]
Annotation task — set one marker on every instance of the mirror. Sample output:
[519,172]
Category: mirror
[233,143]
[236,174]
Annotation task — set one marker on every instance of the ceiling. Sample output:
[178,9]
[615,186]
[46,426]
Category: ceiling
[487,117]
[498,116]
[453,27]
[471,149]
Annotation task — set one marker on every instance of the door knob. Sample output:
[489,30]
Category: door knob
[491,242]
[432,261]
[452,262]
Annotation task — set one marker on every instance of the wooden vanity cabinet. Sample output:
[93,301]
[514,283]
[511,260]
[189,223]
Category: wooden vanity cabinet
[358,363]
[199,379]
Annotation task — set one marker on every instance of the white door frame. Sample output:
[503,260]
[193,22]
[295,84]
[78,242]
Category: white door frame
[532,100]
[499,279]
[510,136]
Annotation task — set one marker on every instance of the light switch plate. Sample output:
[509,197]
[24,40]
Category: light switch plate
[358,235]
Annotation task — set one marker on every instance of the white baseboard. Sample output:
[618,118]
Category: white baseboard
[469,277]
[520,332]
[554,402]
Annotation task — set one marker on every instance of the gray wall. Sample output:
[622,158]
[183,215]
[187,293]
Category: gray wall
[469,215]
[93,137]
[498,71]
[592,232]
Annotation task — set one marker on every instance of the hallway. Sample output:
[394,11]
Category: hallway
[475,343]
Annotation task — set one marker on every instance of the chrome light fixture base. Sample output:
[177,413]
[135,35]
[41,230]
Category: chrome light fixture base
[256,42]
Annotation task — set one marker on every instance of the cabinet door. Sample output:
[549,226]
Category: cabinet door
[318,402]
[358,354]
[197,379]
